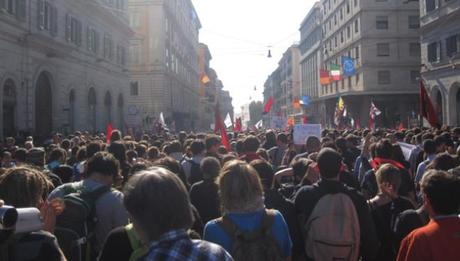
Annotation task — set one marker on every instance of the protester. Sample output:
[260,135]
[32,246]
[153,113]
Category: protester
[439,239]
[251,145]
[160,191]
[191,166]
[343,214]
[276,153]
[264,233]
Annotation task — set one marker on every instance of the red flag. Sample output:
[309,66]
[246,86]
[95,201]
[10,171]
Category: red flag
[220,126]
[401,126]
[426,108]
[268,105]
[109,132]
[237,125]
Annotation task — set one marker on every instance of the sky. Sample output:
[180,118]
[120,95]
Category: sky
[239,34]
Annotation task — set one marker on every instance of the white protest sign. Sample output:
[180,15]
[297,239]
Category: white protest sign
[303,131]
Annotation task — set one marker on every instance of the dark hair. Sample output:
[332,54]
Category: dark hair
[313,144]
[174,147]
[141,150]
[443,162]
[103,163]
[265,172]
[211,141]
[20,154]
[115,136]
[154,191]
[300,167]
[81,154]
[210,167]
[65,144]
[57,154]
[138,167]
[282,138]
[197,147]
[384,149]
[429,147]
[153,153]
[329,163]
[172,165]
[251,143]
[240,147]
[64,172]
[270,139]
[92,149]
[443,191]
[118,150]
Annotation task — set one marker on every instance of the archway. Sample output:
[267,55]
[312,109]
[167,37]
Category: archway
[120,106]
[92,102]
[108,108]
[439,106]
[72,110]
[9,108]
[43,106]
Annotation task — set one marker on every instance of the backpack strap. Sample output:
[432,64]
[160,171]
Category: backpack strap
[233,231]
[139,250]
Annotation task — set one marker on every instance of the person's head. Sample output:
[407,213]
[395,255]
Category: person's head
[313,144]
[58,154]
[153,153]
[212,143]
[198,147]
[299,168]
[65,144]
[429,147]
[10,141]
[443,162]
[388,179]
[440,144]
[131,156]
[36,157]
[384,149]
[92,149]
[175,147]
[64,172]
[341,145]
[240,188]
[265,171]
[227,158]
[441,193]
[329,163]
[263,154]
[115,136]
[210,167]
[28,145]
[270,138]
[81,154]
[104,167]
[24,187]
[118,150]
[155,191]
[281,140]
[251,144]
[20,155]
[141,150]
[240,147]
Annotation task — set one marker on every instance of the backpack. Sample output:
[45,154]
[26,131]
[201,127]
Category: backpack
[195,172]
[75,226]
[332,230]
[253,245]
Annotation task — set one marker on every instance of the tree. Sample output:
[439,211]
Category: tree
[255,111]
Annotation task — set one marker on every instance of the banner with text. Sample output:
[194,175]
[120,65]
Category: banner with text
[303,131]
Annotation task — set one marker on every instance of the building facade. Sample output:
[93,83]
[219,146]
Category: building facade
[440,47]
[311,60]
[382,38]
[63,65]
[164,64]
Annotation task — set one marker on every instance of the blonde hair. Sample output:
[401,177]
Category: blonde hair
[240,188]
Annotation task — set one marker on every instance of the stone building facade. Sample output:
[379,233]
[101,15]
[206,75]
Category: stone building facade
[63,65]
[164,64]
[440,46]
[382,37]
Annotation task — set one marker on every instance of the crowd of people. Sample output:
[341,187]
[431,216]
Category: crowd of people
[347,195]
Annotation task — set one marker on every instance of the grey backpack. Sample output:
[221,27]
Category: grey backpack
[332,231]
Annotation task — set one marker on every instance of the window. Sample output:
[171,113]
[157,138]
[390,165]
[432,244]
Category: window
[73,30]
[341,37]
[414,76]
[383,49]
[92,39]
[382,22]
[121,55]
[348,7]
[348,32]
[356,26]
[414,22]
[47,17]
[108,47]
[14,7]
[134,19]
[357,52]
[134,54]
[355,2]
[134,88]
[434,52]
[430,5]
[383,77]
[452,45]
[414,49]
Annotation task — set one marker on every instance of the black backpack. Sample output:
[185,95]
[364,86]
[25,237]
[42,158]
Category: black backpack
[195,172]
[255,245]
[75,226]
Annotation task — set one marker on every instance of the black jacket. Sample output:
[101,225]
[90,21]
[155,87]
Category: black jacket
[308,196]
